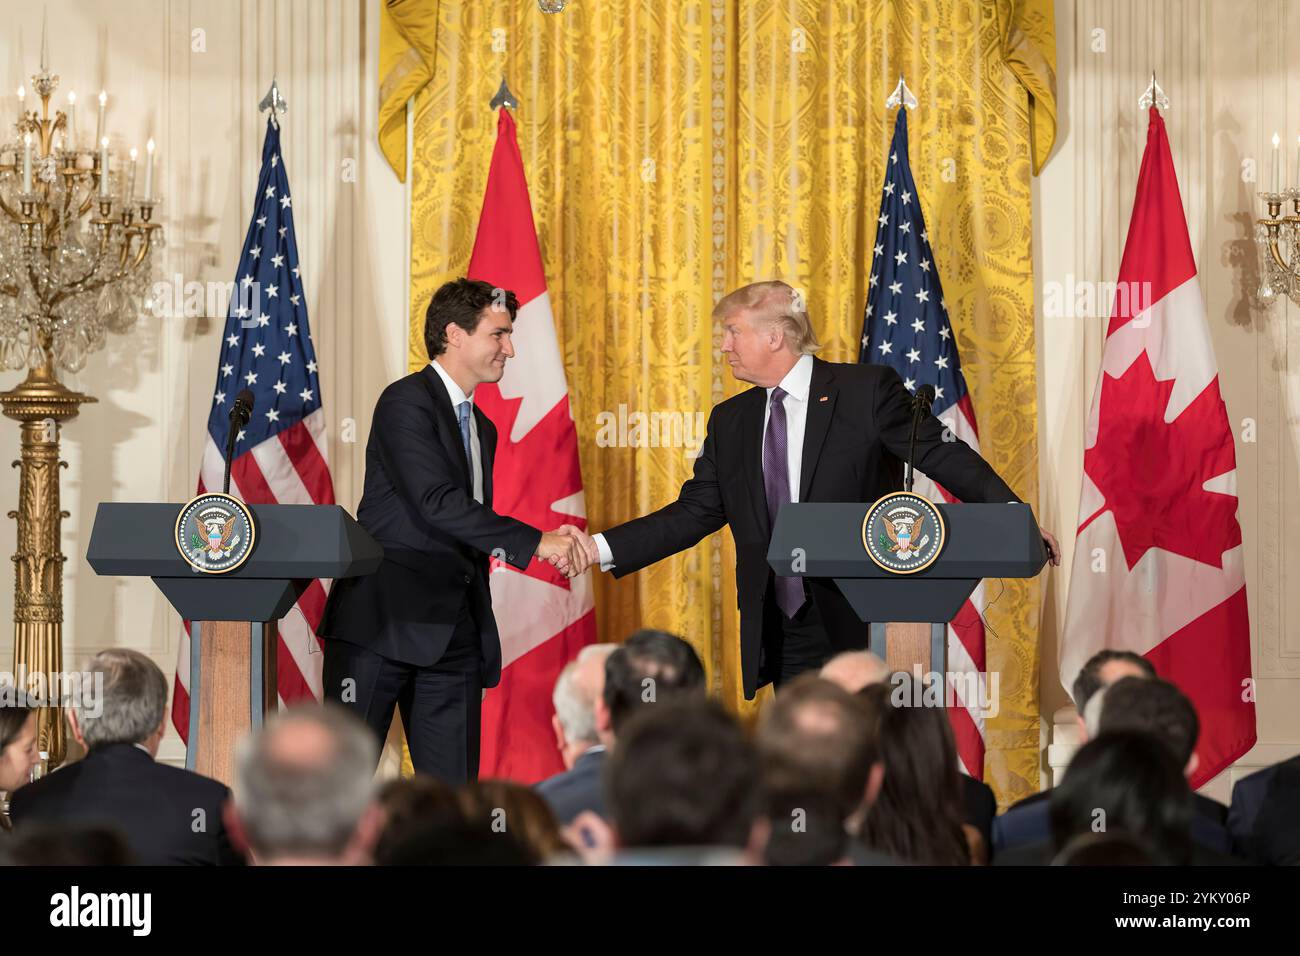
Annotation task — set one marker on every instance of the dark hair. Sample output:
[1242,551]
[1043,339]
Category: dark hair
[502,806]
[1128,782]
[462,301]
[683,774]
[410,805]
[1089,680]
[1154,707]
[917,817]
[69,844]
[665,660]
[456,842]
[816,745]
[14,711]
[1115,848]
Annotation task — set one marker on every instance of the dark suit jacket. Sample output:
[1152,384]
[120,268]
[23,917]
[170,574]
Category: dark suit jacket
[853,450]
[1029,822]
[1264,818]
[579,788]
[418,503]
[151,804]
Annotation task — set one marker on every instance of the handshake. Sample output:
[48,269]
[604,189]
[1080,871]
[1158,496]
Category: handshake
[569,549]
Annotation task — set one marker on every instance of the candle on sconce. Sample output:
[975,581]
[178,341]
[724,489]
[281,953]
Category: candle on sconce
[70,138]
[1277,165]
[130,177]
[103,168]
[99,126]
[148,172]
[22,99]
[27,163]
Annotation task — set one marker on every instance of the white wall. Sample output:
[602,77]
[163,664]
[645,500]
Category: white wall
[143,440]
[1225,70]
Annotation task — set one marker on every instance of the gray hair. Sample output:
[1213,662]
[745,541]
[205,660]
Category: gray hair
[133,702]
[574,705]
[296,796]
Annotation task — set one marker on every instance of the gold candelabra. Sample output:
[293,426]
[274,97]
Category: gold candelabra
[76,250]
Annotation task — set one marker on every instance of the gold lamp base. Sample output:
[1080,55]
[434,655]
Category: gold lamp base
[40,405]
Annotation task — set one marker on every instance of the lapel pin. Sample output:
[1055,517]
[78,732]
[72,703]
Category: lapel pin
[823,398]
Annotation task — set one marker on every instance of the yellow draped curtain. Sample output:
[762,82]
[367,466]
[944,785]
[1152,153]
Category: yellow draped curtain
[676,150]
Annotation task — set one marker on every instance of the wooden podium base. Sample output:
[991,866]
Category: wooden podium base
[232,685]
[904,646]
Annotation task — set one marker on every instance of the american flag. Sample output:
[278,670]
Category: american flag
[906,327]
[280,456]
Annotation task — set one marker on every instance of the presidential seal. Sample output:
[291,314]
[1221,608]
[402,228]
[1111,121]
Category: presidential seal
[215,532]
[903,532]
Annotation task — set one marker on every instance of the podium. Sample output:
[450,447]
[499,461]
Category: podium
[233,616]
[908,614]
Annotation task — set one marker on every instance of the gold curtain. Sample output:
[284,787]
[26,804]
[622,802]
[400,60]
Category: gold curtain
[678,150]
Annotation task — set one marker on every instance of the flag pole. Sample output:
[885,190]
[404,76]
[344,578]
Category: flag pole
[1153,95]
[503,97]
[902,96]
[274,102]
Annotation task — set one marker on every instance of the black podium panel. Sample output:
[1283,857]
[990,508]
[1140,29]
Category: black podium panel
[982,541]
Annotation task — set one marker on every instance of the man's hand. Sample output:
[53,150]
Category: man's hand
[588,543]
[1053,549]
[564,551]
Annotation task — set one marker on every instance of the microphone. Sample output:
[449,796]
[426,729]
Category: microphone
[242,410]
[240,413]
[922,399]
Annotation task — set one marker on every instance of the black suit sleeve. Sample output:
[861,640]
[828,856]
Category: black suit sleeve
[677,526]
[951,463]
[423,474]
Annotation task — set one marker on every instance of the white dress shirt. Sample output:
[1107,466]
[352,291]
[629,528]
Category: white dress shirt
[458,397]
[796,384]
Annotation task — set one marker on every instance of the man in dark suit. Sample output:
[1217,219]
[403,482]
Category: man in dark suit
[582,733]
[809,431]
[166,815]
[1264,816]
[418,635]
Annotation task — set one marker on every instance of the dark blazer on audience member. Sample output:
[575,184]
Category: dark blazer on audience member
[579,788]
[1264,818]
[151,804]
[1029,822]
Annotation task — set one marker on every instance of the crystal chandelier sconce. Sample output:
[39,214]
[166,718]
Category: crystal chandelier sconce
[1277,236]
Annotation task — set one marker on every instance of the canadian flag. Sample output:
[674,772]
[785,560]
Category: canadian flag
[1158,563]
[543,617]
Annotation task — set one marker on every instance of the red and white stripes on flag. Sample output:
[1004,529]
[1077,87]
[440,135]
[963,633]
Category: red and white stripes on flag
[966,630]
[544,618]
[1158,564]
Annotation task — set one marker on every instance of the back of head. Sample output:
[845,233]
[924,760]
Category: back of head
[69,844]
[1104,849]
[683,774]
[502,808]
[575,698]
[854,670]
[1129,782]
[816,748]
[1154,707]
[1091,676]
[651,667]
[918,815]
[303,782]
[131,706]
[410,804]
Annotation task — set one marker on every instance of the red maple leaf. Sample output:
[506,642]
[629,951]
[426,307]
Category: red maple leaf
[1151,472]
[530,475]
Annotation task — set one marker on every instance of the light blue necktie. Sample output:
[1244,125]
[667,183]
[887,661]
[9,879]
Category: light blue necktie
[462,411]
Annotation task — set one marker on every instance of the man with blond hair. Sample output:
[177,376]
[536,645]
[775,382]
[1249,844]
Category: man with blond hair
[808,431]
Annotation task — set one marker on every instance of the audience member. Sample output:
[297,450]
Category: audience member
[67,844]
[165,814]
[1104,849]
[854,670]
[19,751]
[582,733]
[304,789]
[1264,816]
[409,805]
[817,751]
[917,816]
[501,808]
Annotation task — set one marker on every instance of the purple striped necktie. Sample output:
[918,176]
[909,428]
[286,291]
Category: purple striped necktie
[776,482]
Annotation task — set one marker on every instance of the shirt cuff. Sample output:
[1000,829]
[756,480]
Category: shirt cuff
[606,556]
